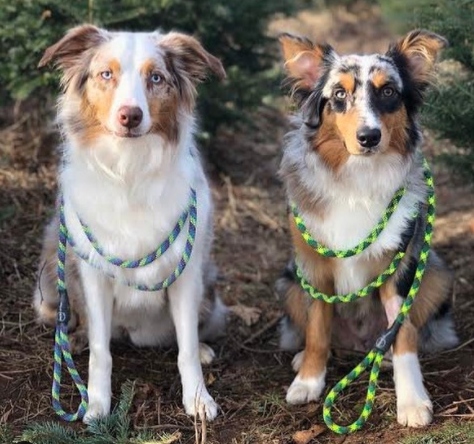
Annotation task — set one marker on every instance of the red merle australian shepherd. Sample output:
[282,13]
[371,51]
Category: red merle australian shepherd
[356,142]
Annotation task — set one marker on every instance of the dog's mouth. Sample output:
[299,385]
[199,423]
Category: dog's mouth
[126,133]
[364,151]
[367,152]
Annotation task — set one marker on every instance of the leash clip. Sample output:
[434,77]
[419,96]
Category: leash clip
[63,316]
[386,339]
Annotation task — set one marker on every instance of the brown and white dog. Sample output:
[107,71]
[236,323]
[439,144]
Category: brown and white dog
[129,162]
[355,143]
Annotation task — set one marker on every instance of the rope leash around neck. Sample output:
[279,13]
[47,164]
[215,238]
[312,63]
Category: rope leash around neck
[62,349]
[190,214]
[361,246]
[384,342]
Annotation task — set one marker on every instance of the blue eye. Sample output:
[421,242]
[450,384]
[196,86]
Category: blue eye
[340,94]
[155,78]
[106,75]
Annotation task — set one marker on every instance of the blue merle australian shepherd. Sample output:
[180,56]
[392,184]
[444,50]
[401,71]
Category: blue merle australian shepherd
[356,141]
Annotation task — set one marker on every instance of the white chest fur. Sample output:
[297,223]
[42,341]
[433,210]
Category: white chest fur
[354,202]
[131,204]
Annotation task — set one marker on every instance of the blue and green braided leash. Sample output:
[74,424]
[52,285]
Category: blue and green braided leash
[62,348]
[190,214]
[384,342]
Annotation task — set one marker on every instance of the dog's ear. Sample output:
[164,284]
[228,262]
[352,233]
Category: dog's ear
[304,60]
[68,51]
[190,59]
[420,49]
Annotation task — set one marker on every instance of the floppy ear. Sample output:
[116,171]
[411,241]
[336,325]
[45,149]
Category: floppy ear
[71,54]
[190,58]
[68,51]
[304,60]
[420,48]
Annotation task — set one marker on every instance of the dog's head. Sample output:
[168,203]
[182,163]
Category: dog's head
[129,84]
[361,104]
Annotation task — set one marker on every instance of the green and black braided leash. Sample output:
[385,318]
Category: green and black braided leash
[384,342]
[62,346]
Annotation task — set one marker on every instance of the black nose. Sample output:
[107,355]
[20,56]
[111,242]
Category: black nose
[369,137]
[130,116]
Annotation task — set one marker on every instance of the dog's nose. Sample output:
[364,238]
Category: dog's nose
[369,137]
[130,116]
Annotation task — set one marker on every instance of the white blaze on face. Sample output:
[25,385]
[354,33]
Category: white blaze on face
[367,115]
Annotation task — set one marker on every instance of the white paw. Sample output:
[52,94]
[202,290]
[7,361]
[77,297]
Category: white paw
[305,390]
[414,408]
[95,410]
[200,404]
[206,354]
[297,361]
[419,413]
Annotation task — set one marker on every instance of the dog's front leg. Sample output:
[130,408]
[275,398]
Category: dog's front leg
[414,407]
[99,305]
[310,380]
[185,296]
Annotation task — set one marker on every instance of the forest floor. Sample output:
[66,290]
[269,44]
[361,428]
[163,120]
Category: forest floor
[250,376]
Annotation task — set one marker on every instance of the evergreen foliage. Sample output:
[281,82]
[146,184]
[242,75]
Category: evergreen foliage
[114,429]
[233,30]
[450,106]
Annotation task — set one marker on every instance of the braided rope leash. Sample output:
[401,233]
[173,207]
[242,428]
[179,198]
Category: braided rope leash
[190,214]
[62,347]
[359,248]
[384,342]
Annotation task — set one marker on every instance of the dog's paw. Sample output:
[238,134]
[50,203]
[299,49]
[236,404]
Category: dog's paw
[297,361]
[305,390]
[201,404]
[418,413]
[78,342]
[206,354]
[95,410]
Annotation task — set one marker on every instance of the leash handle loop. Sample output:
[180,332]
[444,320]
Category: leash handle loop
[62,350]
[374,358]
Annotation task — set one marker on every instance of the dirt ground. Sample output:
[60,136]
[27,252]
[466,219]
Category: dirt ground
[250,376]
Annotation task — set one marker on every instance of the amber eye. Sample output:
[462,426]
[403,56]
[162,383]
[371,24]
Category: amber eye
[340,94]
[106,75]
[388,91]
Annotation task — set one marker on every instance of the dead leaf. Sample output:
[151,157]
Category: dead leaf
[471,225]
[250,315]
[210,379]
[305,436]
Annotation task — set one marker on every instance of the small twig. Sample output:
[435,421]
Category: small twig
[6,377]
[165,426]
[464,344]
[263,330]
[465,402]
[253,350]
[459,415]
[241,407]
